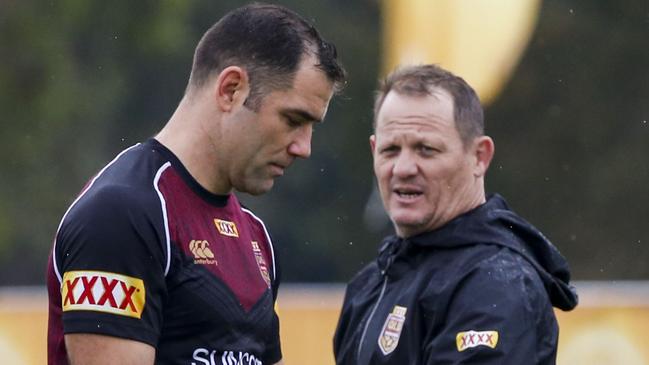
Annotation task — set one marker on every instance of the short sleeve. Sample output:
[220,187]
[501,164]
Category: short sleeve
[492,317]
[111,260]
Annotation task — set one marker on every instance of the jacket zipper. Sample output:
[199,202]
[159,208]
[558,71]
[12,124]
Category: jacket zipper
[369,319]
[384,273]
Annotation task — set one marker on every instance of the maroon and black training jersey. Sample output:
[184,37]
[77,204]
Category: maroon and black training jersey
[145,253]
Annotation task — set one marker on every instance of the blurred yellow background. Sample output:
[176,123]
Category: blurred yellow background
[607,328]
[480,40]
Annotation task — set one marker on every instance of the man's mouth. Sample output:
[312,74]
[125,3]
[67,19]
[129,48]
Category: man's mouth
[408,193]
[277,169]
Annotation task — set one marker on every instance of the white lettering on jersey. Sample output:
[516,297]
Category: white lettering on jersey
[205,357]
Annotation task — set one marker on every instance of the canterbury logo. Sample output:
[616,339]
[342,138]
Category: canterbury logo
[226,228]
[201,251]
[103,292]
[470,339]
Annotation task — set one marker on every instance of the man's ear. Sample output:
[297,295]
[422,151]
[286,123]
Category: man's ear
[372,143]
[484,149]
[232,88]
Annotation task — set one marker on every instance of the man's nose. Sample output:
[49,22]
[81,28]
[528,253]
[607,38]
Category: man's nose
[301,144]
[404,165]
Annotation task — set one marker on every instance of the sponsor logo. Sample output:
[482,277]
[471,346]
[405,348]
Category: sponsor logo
[389,336]
[202,253]
[469,339]
[203,356]
[103,292]
[226,228]
[261,263]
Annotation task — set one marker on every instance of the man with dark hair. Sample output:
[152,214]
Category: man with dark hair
[156,260]
[464,280]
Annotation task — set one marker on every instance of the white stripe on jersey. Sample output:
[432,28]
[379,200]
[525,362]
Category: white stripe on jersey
[270,243]
[163,203]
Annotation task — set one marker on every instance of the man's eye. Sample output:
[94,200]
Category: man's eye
[292,122]
[389,149]
[427,150]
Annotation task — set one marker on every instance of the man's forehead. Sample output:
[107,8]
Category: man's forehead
[434,99]
[419,111]
[414,123]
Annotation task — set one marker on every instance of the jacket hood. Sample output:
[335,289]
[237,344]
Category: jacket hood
[495,224]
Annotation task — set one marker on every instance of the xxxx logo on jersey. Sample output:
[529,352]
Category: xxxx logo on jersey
[103,292]
[226,228]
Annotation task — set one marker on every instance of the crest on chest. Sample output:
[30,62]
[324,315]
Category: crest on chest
[261,263]
[389,336]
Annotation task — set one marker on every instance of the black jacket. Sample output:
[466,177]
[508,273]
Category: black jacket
[478,290]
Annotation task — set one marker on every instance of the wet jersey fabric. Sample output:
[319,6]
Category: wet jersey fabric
[145,253]
[479,290]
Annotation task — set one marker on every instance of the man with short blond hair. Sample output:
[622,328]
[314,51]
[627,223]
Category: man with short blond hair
[464,280]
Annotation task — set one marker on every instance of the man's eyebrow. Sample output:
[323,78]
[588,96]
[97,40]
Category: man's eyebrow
[302,115]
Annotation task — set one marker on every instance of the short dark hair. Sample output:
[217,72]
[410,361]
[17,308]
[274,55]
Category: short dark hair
[421,80]
[268,41]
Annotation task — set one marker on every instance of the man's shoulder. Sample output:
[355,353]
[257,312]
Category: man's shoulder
[486,266]
[112,197]
[122,192]
[505,266]
[505,274]
[126,181]
[456,261]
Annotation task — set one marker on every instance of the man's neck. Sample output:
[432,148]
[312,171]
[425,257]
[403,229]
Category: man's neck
[184,136]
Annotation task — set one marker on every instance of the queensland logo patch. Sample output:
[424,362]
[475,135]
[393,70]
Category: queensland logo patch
[202,253]
[469,339]
[103,292]
[226,228]
[263,268]
[389,336]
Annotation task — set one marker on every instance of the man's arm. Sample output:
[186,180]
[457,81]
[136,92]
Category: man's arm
[91,349]
[280,362]
[112,278]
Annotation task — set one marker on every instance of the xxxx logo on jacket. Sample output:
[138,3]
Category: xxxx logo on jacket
[389,336]
[469,339]
[103,292]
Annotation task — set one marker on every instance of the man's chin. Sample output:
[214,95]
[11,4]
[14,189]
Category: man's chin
[407,226]
[406,217]
[258,187]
